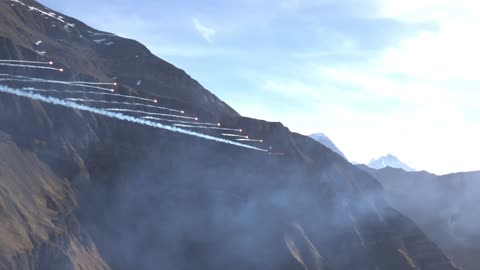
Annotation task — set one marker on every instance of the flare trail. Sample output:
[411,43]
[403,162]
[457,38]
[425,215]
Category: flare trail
[26,62]
[89,93]
[124,103]
[30,66]
[69,104]
[149,113]
[174,121]
[204,127]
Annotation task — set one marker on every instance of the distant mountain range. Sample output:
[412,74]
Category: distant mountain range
[380,163]
[455,199]
[389,161]
[323,139]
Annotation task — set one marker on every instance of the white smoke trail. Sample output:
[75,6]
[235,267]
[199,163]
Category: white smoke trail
[73,105]
[175,121]
[56,82]
[26,62]
[234,135]
[124,103]
[30,66]
[249,140]
[203,127]
[149,113]
[89,93]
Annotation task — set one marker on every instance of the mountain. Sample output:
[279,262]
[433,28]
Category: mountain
[389,161]
[83,186]
[454,198]
[323,139]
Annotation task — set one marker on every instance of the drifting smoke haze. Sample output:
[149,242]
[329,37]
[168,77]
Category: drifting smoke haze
[96,182]
[443,206]
[173,204]
[216,211]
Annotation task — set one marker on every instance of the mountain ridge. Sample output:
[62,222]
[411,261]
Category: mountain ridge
[453,196]
[149,198]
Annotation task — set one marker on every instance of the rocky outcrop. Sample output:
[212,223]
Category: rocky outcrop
[37,227]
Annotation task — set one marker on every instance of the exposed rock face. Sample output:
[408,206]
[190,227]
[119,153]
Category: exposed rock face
[37,227]
[443,206]
[91,192]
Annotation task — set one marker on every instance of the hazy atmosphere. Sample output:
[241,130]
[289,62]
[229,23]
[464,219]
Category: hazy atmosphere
[250,134]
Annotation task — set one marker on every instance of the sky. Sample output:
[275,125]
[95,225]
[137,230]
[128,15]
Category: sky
[376,76]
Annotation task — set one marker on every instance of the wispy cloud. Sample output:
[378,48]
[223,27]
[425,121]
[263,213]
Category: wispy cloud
[205,31]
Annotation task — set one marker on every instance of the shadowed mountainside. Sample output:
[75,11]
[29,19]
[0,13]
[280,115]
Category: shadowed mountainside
[83,191]
[443,206]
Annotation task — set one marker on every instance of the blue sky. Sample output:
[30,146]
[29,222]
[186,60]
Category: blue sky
[377,76]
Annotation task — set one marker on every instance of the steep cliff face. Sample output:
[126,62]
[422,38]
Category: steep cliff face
[37,227]
[128,196]
[443,206]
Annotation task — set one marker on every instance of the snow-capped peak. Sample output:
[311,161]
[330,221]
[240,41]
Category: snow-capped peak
[323,139]
[389,161]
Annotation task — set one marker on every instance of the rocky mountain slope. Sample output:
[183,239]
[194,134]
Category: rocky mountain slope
[443,206]
[83,191]
[38,229]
